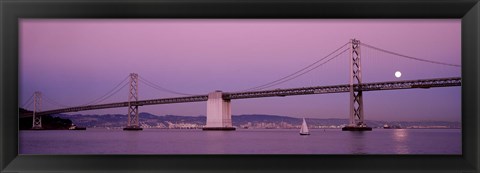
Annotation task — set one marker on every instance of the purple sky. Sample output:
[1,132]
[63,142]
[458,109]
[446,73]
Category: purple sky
[76,61]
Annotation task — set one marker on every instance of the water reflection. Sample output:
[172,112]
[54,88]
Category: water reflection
[357,145]
[214,141]
[251,141]
[133,139]
[400,137]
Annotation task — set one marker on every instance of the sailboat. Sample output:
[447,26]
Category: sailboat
[304,129]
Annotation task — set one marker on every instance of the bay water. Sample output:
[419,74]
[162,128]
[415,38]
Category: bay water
[241,141]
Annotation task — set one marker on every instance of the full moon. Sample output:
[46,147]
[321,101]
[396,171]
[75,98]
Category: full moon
[398,74]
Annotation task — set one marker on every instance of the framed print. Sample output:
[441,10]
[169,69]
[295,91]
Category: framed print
[239,86]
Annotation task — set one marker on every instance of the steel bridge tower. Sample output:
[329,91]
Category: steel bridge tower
[356,118]
[133,123]
[37,103]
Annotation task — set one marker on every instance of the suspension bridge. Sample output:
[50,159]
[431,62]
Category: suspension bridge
[218,102]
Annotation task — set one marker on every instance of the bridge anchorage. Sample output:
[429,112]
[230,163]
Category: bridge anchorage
[219,112]
[132,123]
[37,103]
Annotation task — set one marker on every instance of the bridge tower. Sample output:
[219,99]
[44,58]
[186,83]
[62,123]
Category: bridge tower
[356,118]
[133,123]
[37,103]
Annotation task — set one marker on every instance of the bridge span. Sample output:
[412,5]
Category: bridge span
[218,102]
[377,86]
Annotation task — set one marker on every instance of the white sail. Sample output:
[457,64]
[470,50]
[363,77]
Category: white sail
[304,129]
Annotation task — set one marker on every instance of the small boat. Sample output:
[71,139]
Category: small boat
[74,127]
[304,128]
[392,126]
[80,128]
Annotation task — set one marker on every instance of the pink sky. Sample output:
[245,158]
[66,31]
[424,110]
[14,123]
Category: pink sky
[75,61]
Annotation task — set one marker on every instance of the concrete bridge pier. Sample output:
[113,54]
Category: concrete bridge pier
[219,113]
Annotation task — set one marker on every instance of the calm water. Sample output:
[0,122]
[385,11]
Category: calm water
[242,141]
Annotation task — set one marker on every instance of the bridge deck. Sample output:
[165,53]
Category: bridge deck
[378,86]
[390,85]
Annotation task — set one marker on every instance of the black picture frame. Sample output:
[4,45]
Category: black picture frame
[12,10]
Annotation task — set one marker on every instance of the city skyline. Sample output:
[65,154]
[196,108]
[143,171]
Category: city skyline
[76,61]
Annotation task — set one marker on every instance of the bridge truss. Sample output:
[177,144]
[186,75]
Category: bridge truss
[377,86]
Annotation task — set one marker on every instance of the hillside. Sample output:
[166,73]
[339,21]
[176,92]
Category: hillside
[48,122]
[242,121]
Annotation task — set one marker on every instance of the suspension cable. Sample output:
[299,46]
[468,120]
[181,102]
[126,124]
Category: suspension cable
[155,86]
[51,101]
[28,105]
[28,101]
[409,57]
[105,95]
[304,71]
[295,73]
[119,89]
